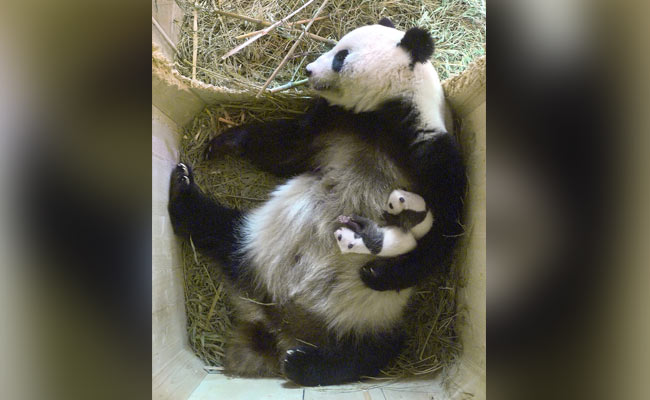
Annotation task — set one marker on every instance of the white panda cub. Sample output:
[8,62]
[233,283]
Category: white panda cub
[363,236]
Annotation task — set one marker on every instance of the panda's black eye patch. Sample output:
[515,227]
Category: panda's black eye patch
[337,63]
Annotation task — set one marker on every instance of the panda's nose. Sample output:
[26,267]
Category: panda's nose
[308,71]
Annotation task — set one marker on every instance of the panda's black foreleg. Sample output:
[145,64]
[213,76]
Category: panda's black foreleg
[439,173]
[347,362]
[210,226]
[432,254]
[282,147]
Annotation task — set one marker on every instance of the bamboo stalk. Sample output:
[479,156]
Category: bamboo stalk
[311,35]
[245,18]
[291,51]
[264,22]
[306,21]
[288,85]
[265,31]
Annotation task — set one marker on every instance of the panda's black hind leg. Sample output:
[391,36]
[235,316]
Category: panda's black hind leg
[211,226]
[281,147]
[349,361]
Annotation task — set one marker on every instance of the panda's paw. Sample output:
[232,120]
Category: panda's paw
[181,180]
[349,241]
[374,276]
[302,365]
[230,141]
[400,200]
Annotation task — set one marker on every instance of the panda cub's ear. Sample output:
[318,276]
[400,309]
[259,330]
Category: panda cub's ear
[386,22]
[418,43]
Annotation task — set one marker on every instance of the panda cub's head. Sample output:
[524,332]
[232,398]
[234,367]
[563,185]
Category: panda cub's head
[373,64]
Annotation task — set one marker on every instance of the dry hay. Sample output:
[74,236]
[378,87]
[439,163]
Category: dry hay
[431,315]
[457,26]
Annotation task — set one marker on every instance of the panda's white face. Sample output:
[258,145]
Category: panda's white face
[364,69]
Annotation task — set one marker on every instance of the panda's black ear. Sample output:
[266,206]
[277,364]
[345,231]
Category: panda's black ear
[418,43]
[386,22]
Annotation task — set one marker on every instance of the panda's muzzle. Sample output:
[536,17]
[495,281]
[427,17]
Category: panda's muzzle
[319,86]
[318,79]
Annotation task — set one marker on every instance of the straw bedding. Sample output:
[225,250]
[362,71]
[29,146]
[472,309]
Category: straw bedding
[459,30]
[457,26]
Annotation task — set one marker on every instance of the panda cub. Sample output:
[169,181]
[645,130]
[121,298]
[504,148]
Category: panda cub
[305,310]
[363,236]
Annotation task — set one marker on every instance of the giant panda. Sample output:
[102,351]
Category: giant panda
[304,309]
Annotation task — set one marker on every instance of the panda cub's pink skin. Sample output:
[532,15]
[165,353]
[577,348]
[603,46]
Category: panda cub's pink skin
[367,237]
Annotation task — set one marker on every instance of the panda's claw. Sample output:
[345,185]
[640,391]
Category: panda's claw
[183,167]
[375,278]
[292,352]
[303,365]
[181,180]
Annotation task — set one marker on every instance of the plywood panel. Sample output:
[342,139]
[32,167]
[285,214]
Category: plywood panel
[220,387]
[468,378]
[415,389]
[169,16]
[349,393]
[406,395]
[175,370]
[178,378]
[170,94]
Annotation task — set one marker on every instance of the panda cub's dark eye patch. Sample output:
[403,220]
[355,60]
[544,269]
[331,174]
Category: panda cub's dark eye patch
[337,63]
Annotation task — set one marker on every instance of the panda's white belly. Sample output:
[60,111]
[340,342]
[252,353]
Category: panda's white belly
[289,243]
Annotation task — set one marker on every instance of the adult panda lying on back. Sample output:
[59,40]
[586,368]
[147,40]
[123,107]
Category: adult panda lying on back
[304,309]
